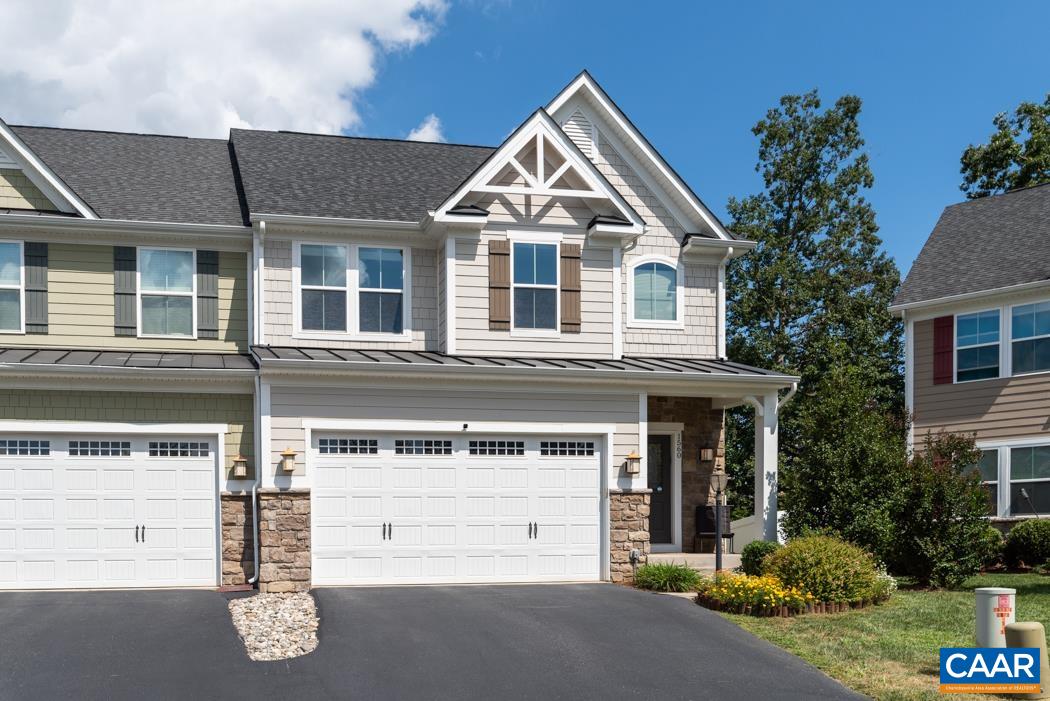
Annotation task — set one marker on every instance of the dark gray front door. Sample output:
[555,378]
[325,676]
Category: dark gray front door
[659,460]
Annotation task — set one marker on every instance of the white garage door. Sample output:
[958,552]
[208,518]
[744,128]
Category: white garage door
[436,509]
[89,511]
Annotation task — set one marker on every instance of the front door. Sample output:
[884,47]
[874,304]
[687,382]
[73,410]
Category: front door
[659,460]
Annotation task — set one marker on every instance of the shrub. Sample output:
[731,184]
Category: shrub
[754,554]
[992,546]
[1028,543]
[667,576]
[737,591]
[829,568]
[884,585]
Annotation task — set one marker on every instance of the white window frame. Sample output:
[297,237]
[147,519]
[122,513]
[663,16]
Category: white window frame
[1008,369]
[353,290]
[543,238]
[21,287]
[679,294]
[192,294]
[955,345]
[1005,448]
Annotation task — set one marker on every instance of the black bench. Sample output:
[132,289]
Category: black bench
[705,525]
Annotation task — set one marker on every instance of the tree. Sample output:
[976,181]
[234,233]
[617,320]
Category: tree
[813,297]
[1017,153]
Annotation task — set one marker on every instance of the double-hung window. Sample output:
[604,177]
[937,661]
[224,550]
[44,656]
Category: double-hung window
[535,282]
[324,287]
[1030,480]
[977,345]
[988,468]
[12,287]
[381,289]
[1030,338]
[167,290]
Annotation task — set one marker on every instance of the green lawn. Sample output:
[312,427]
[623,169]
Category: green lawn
[891,651]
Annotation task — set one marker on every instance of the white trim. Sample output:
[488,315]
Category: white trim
[95,226]
[450,295]
[1007,354]
[535,236]
[674,430]
[20,288]
[264,462]
[720,321]
[9,425]
[1005,447]
[192,294]
[909,378]
[542,239]
[328,222]
[1024,286]
[678,323]
[42,176]
[643,438]
[617,307]
[473,427]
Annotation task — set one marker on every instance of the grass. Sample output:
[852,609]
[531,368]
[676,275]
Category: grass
[891,651]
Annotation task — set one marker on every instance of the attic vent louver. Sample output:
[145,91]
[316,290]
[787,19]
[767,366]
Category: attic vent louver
[579,129]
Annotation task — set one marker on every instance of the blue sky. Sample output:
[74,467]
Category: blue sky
[696,76]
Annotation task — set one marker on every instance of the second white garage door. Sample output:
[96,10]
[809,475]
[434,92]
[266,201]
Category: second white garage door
[413,509]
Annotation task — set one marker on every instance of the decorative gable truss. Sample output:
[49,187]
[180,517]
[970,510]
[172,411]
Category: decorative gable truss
[18,161]
[540,160]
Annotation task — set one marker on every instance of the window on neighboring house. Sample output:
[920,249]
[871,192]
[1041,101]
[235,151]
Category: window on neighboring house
[535,285]
[324,287]
[977,346]
[655,292]
[12,279]
[1030,473]
[166,292]
[1030,338]
[988,468]
[381,289]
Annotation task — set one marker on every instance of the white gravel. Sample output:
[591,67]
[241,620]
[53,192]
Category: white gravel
[276,626]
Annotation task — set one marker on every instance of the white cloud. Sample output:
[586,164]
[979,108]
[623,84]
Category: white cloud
[199,67]
[428,130]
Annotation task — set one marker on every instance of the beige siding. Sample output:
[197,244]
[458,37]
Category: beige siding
[290,405]
[137,407]
[80,305]
[18,192]
[279,300]
[995,409]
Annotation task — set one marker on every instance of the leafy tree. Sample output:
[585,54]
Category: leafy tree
[1017,153]
[813,297]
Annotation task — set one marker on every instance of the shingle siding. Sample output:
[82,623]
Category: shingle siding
[18,192]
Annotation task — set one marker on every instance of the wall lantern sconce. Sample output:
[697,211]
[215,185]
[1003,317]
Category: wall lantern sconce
[240,467]
[287,460]
[634,463]
[707,454]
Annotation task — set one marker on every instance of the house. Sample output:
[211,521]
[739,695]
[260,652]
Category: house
[976,308]
[405,362]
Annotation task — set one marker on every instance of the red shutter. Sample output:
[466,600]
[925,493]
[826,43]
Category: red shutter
[943,350]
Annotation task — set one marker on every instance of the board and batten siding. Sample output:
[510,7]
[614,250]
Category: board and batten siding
[289,405]
[994,409]
[81,306]
[280,298]
[234,410]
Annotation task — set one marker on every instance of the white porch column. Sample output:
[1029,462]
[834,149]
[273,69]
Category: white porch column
[766,464]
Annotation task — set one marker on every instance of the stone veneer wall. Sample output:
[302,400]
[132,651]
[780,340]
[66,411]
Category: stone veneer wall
[703,427]
[238,557]
[284,540]
[628,530]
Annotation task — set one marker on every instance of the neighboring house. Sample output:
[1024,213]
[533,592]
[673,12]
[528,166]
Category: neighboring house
[976,307]
[439,363]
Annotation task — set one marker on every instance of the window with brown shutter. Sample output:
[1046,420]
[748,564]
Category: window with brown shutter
[571,266]
[499,285]
[943,350]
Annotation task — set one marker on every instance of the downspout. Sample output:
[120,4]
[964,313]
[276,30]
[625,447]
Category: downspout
[255,487]
[787,397]
[258,245]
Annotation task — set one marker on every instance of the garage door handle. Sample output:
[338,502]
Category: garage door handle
[390,531]
[535,529]
[136,534]
[143,534]
[384,531]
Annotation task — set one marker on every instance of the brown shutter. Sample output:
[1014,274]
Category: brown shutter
[943,350]
[499,285]
[570,287]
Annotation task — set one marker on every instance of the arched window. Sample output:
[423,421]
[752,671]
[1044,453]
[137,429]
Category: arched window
[655,292]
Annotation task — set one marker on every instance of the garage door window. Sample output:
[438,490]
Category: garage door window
[421,446]
[23,446]
[566,448]
[348,446]
[177,449]
[497,447]
[102,449]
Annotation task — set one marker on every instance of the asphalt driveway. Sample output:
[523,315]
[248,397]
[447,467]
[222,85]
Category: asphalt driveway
[595,641]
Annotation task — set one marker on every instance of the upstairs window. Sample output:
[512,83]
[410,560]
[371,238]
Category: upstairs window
[167,288]
[381,289]
[535,285]
[977,346]
[1030,338]
[655,292]
[12,280]
[324,287]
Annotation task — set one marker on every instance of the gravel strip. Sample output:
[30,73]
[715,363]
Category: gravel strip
[276,626]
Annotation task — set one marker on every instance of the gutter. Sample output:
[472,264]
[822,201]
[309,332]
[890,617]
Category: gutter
[304,220]
[151,373]
[32,221]
[898,309]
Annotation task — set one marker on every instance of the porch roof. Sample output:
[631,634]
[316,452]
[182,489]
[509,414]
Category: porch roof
[27,358]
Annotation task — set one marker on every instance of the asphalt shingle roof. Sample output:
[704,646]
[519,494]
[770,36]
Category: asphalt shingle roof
[349,177]
[983,244]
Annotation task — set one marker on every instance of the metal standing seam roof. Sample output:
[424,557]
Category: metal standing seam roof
[368,357]
[74,357]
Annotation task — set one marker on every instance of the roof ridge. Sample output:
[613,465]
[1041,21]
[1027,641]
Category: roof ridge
[364,138]
[118,133]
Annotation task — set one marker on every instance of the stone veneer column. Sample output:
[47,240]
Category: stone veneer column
[284,540]
[628,530]
[238,556]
